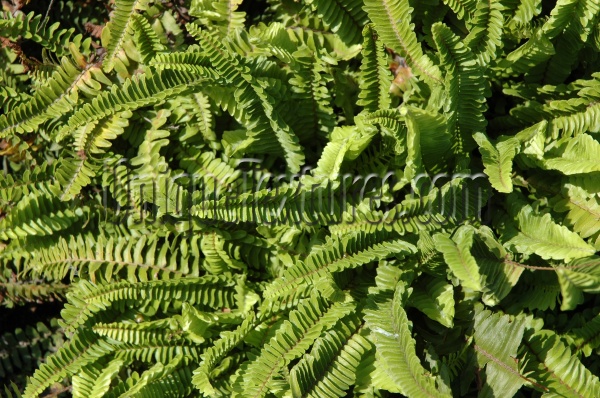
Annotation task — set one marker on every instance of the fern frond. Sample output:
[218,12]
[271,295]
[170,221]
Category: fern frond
[550,362]
[485,37]
[259,113]
[497,160]
[579,156]
[309,85]
[497,340]
[542,236]
[585,339]
[345,18]
[393,22]
[55,98]
[583,212]
[575,12]
[389,325]
[464,88]
[457,254]
[109,258]
[203,377]
[163,380]
[499,274]
[298,333]
[338,254]
[39,215]
[31,27]
[14,187]
[330,368]
[150,88]
[535,51]
[88,299]
[464,9]
[583,274]
[435,298]
[76,172]
[83,348]
[30,291]
[147,41]
[374,75]
[153,352]
[94,380]
[212,174]
[118,29]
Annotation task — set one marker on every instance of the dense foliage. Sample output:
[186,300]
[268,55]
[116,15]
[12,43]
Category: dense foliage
[320,198]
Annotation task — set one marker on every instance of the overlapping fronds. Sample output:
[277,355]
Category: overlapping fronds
[32,27]
[300,199]
[392,20]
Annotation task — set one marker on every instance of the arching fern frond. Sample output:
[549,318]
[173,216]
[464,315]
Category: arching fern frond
[464,9]
[204,376]
[59,96]
[542,236]
[298,333]
[118,29]
[259,112]
[88,300]
[147,89]
[76,172]
[497,160]
[583,212]
[464,88]
[496,341]
[14,187]
[163,380]
[392,20]
[390,331]
[39,215]
[148,43]
[19,292]
[330,368]
[107,258]
[345,18]
[550,362]
[374,83]
[31,27]
[337,254]
[83,348]
[485,37]
[94,380]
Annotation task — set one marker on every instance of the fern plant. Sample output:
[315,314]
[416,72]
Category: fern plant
[313,198]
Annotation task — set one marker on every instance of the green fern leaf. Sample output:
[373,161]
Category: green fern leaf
[118,29]
[464,88]
[435,298]
[498,161]
[148,89]
[542,236]
[374,77]
[550,362]
[457,254]
[392,20]
[305,324]
[485,37]
[497,340]
[345,18]
[330,368]
[83,348]
[580,156]
[391,334]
